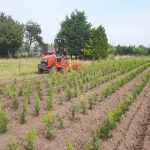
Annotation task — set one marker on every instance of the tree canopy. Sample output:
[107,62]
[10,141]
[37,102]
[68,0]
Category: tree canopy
[75,29]
[32,35]
[97,44]
[11,35]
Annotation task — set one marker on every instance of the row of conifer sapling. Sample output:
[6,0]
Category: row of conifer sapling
[113,117]
[74,107]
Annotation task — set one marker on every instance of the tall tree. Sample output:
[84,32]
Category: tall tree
[11,35]
[32,34]
[97,44]
[75,29]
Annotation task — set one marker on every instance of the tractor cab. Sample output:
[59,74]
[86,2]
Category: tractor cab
[60,48]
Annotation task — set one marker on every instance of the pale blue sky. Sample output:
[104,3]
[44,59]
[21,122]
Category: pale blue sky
[127,22]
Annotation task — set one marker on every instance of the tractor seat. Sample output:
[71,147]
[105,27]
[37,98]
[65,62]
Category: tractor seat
[59,58]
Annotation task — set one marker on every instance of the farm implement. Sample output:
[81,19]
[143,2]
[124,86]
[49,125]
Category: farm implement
[58,60]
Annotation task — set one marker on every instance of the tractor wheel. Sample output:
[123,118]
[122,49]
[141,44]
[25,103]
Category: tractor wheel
[40,71]
[65,65]
[53,69]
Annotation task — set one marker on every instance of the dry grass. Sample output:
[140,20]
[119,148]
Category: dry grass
[18,67]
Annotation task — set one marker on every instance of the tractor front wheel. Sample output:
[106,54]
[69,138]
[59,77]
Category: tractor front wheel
[40,71]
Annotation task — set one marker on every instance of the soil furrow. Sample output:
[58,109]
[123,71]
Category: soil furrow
[130,132]
[78,130]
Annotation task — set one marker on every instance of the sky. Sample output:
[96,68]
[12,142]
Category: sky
[127,22]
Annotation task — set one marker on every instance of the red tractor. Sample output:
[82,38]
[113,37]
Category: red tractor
[57,61]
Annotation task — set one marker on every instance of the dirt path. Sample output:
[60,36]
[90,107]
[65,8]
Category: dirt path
[78,130]
[133,131]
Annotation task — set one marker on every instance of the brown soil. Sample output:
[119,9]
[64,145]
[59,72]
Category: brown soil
[78,130]
[133,132]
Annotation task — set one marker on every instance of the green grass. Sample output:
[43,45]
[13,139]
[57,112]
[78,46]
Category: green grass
[18,67]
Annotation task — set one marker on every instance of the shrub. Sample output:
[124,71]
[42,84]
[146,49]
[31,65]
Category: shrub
[38,88]
[13,95]
[23,113]
[37,105]
[20,92]
[81,86]
[94,141]
[90,102]
[3,120]
[48,121]
[60,121]
[61,100]
[15,103]
[50,100]
[29,137]
[12,145]
[86,147]
[69,145]
[76,91]
[69,93]
[74,109]
[114,115]
[82,106]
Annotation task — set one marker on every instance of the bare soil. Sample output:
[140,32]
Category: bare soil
[78,130]
[133,132]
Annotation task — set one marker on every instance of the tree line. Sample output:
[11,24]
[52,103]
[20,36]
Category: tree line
[82,38]
[129,50]
[16,37]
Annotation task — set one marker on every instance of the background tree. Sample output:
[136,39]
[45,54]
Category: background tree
[131,50]
[97,44]
[11,35]
[32,33]
[75,29]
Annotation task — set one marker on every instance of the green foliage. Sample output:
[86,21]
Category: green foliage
[86,147]
[37,105]
[1,90]
[97,44]
[32,34]
[24,112]
[48,121]
[61,100]
[20,92]
[60,121]
[3,119]
[12,145]
[69,93]
[94,141]
[74,110]
[27,90]
[90,101]
[29,137]
[50,100]
[113,117]
[69,145]
[82,106]
[75,29]
[38,88]
[13,95]
[130,50]
[10,35]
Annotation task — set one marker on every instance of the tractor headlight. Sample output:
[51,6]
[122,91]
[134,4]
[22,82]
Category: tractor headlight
[44,61]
